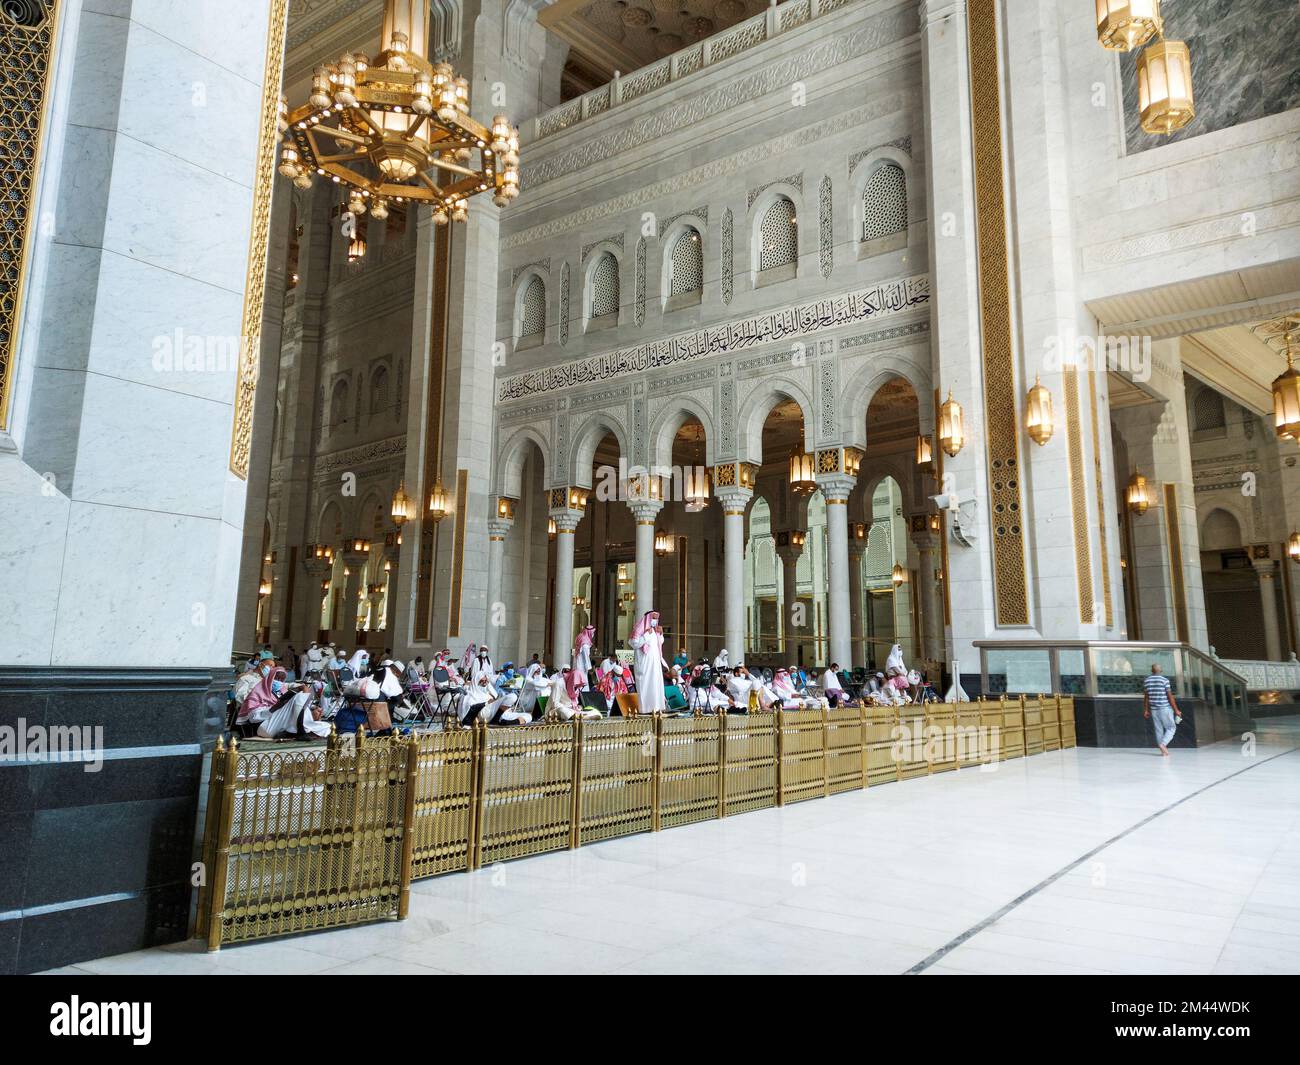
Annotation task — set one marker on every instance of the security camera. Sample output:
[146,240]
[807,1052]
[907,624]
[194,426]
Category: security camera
[947,501]
[961,517]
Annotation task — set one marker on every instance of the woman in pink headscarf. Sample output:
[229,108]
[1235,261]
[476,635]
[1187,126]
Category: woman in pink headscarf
[648,668]
[582,656]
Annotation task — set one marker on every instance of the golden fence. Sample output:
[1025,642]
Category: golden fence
[322,838]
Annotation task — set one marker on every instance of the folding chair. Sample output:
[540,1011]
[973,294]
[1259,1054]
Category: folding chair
[445,692]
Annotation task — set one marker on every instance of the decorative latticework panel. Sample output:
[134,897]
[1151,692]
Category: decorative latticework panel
[690,772]
[728,267]
[639,306]
[884,203]
[446,799]
[1011,594]
[604,286]
[527,796]
[687,273]
[532,312]
[803,755]
[751,767]
[564,304]
[26,38]
[826,229]
[779,234]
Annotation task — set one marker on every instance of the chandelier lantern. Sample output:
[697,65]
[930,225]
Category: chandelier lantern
[1286,397]
[1123,25]
[398,129]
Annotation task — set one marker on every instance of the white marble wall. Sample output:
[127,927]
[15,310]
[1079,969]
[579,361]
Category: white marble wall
[130,555]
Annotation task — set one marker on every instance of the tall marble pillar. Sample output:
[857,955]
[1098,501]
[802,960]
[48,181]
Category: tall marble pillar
[835,489]
[792,620]
[931,627]
[857,548]
[354,569]
[566,522]
[733,501]
[1266,571]
[645,512]
[498,528]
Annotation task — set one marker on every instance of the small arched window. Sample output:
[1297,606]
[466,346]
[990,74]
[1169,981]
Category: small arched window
[603,300]
[686,269]
[532,309]
[884,203]
[379,391]
[779,235]
[1208,412]
[339,405]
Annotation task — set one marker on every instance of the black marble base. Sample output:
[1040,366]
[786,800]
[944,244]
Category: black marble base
[99,863]
[1118,722]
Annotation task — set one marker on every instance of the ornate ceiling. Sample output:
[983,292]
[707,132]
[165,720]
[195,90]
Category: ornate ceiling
[603,35]
[623,35]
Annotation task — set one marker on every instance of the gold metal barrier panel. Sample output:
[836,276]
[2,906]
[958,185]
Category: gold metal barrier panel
[749,775]
[941,736]
[1033,712]
[913,761]
[690,764]
[803,754]
[616,778]
[302,841]
[527,803]
[1067,721]
[1050,706]
[846,751]
[882,761]
[970,740]
[443,784]
[1013,729]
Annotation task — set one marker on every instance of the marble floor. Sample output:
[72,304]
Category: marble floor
[1079,861]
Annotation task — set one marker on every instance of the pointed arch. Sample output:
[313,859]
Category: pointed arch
[759,403]
[514,455]
[587,438]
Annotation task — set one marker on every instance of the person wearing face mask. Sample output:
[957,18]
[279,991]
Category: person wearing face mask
[648,641]
[493,707]
[566,695]
[359,664]
[257,707]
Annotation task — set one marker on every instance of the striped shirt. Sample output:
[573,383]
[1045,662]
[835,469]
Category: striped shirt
[1157,689]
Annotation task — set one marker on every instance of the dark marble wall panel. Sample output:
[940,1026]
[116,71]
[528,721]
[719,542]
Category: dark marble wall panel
[97,863]
[1245,64]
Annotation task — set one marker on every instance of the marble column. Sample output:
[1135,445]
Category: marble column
[835,489]
[1267,574]
[792,621]
[566,522]
[931,630]
[734,501]
[645,512]
[354,567]
[498,528]
[857,548]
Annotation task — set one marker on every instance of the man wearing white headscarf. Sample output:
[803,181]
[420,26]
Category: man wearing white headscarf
[648,668]
[498,707]
[721,662]
[582,655]
[467,659]
[359,663]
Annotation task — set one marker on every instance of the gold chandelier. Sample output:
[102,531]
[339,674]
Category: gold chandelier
[802,480]
[398,129]
[1126,24]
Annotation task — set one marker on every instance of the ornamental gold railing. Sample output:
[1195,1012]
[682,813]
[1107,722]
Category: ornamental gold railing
[328,837]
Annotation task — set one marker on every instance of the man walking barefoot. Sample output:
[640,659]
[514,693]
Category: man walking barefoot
[1161,707]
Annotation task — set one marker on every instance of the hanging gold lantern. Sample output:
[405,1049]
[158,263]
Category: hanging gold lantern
[1286,398]
[1038,414]
[802,480]
[438,501]
[696,489]
[898,575]
[1139,494]
[1164,76]
[401,508]
[1126,24]
[1293,547]
[356,249]
[623,577]
[952,435]
[664,544]
[550,529]
[924,450]
[264,589]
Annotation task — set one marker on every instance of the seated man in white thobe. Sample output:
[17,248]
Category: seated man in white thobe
[831,687]
[565,695]
[748,691]
[298,717]
[536,684]
[497,707]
